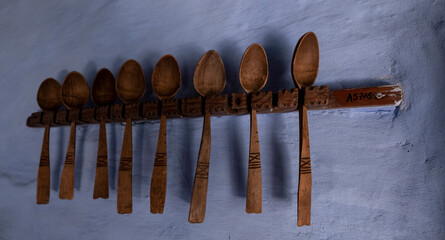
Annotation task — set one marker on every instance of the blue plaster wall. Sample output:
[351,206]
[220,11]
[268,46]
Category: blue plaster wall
[377,173]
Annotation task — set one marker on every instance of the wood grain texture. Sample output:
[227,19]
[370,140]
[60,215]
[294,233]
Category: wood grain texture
[43,175]
[305,175]
[158,187]
[285,101]
[199,194]
[254,190]
[130,83]
[67,179]
[254,69]
[75,91]
[101,180]
[124,184]
[48,95]
[210,76]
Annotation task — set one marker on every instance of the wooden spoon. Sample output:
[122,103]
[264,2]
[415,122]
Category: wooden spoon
[209,79]
[253,76]
[130,87]
[103,92]
[48,98]
[304,73]
[166,81]
[75,94]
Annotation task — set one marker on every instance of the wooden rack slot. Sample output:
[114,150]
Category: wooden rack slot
[316,98]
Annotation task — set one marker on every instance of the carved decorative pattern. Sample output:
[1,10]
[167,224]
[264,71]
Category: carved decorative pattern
[305,165]
[217,105]
[62,117]
[132,111]
[160,160]
[102,161]
[288,99]
[125,164]
[254,160]
[87,115]
[316,96]
[74,115]
[48,117]
[261,101]
[150,110]
[238,103]
[202,170]
[171,108]
[265,102]
[192,107]
[102,112]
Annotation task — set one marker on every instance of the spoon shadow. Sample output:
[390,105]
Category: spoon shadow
[186,159]
[280,181]
[279,59]
[187,60]
[238,157]
[82,132]
[111,135]
[58,157]
[231,56]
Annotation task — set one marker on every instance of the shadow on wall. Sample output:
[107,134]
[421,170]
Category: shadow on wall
[89,73]
[231,56]
[279,58]
[186,159]
[61,147]
[280,181]
[111,141]
[81,133]
[238,159]
[187,58]
[357,83]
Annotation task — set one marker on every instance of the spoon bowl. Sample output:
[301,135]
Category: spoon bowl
[166,78]
[305,61]
[130,83]
[75,91]
[103,91]
[254,69]
[48,95]
[210,76]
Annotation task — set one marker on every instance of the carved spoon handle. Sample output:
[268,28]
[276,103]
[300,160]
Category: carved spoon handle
[254,195]
[101,181]
[43,176]
[199,194]
[305,175]
[158,187]
[67,179]
[124,183]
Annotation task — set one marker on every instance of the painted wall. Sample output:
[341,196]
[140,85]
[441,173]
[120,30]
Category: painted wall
[377,173]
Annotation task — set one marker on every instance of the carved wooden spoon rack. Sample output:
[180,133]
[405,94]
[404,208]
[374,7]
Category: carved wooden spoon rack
[316,98]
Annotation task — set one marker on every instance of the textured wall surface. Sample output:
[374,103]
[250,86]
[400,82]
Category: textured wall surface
[377,172]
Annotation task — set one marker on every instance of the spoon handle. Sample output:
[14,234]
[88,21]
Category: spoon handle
[199,194]
[305,175]
[158,187]
[67,178]
[254,198]
[43,175]
[101,181]
[124,183]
